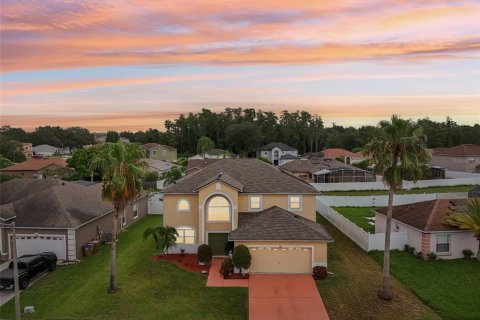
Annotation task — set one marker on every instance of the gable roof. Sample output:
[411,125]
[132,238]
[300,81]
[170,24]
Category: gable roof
[277,224]
[158,165]
[463,150]
[36,164]
[424,216]
[334,153]
[223,178]
[45,148]
[280,145]
[51,203]
[198,164]
[153,145]
[255,175]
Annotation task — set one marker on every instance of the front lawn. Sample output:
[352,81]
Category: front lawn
[411,191]
[351,292]
[449,286]
[148,290]
[358,216]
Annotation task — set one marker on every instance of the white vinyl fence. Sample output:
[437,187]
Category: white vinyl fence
[356,186]
[366,241]
[382,200]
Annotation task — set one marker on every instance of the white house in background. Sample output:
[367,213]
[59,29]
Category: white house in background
[213,154]
[46,150]
[464,158]
[278,153]
[426,229]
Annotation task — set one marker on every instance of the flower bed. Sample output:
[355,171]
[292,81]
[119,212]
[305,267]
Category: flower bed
[186,261]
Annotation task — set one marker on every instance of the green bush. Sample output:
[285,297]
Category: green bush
[407,247]
[411,250]
[320,272]
[241,257]
[467,253]
[432,256]
[204,253]
[226,267]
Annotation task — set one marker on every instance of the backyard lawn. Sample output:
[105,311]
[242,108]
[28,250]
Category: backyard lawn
[357,215]
[158,290]
[450,287]
[351,292]
[412,191]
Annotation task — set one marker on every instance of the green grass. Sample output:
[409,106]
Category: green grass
[412,191]
[357,215]
[449,286]
[147,290]
[351,291]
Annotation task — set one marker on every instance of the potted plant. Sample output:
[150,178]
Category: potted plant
[205,254]
[241,258]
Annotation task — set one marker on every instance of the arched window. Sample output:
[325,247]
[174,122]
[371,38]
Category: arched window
[186,235]
[183,205]
[218,209]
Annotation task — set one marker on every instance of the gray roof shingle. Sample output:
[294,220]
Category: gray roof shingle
[277,224]
[254,175]
[280,145]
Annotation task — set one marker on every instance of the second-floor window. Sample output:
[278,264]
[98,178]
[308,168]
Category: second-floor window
[295,203]
[183,205]
[218,209]
[255,202]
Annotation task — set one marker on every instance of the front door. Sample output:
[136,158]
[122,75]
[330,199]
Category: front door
[218,242]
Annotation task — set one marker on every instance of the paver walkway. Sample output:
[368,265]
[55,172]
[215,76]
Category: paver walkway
[284,297]
[215,279]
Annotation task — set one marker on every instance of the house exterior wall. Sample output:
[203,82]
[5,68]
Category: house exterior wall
[319,248]
[459,240]
[173,218]
[456,163]
[162,153]
[414,236]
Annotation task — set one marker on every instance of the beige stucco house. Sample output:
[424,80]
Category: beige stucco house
[426,229]
[160,152]
[247,201]
[465,158]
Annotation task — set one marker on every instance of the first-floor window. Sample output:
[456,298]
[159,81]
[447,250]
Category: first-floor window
[135,210]
[443,243]
[185,235]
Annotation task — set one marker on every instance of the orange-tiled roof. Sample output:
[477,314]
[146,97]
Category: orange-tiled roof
[36,164]
[461,150]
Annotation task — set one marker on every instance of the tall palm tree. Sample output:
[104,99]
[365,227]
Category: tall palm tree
[467,217]
[164,237]
[122,170]
[398,150]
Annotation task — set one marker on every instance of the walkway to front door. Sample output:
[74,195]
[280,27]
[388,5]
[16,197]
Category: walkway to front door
[284,297]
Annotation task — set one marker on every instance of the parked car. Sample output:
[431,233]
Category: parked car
[28,267]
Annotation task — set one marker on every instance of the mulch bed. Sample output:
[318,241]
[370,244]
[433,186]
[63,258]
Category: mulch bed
[187,261]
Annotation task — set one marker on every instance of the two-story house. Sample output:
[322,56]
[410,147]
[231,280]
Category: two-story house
[278,153]
[465,158]
[27,149]
[247,201]
[160,152]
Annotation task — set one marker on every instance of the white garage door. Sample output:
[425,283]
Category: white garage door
[281,260]
[29,244]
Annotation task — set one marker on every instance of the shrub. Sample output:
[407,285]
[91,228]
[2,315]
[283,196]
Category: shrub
[320,272]
[420,255]
[432,256]
[204,253]
[226,267]
[467,253]
[241,257]
[407,247]
[411,250]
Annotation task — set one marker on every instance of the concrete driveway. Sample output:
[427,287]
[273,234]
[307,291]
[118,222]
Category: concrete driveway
[284,297]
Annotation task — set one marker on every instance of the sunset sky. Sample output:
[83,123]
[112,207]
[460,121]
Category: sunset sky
[129,65]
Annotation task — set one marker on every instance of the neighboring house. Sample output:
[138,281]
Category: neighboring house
[278,153]
[465,158]
[58,216]
[103,139]
[37,168]
[155,203]
[247,201]
[214,154]
[336,153]
[160,152]
[46,150]
[427,230]
[27,149]
[195,165]
[326,171]
[159,166]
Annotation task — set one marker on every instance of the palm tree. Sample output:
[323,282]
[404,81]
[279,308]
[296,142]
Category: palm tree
[467,217]
[398,150]
[164,237]
[122,170]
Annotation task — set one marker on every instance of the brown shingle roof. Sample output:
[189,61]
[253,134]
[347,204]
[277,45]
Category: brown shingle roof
[256,177]
[223,177]
[277,224]
[36,164]
[425,216]
[197,164]
[463,150]
[334,153]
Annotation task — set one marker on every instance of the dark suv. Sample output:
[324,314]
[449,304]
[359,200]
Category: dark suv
[28,267]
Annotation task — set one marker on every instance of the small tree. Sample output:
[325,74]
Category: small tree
[204,253]
[112,136]
[164,237]
[241,257]
[204,145]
